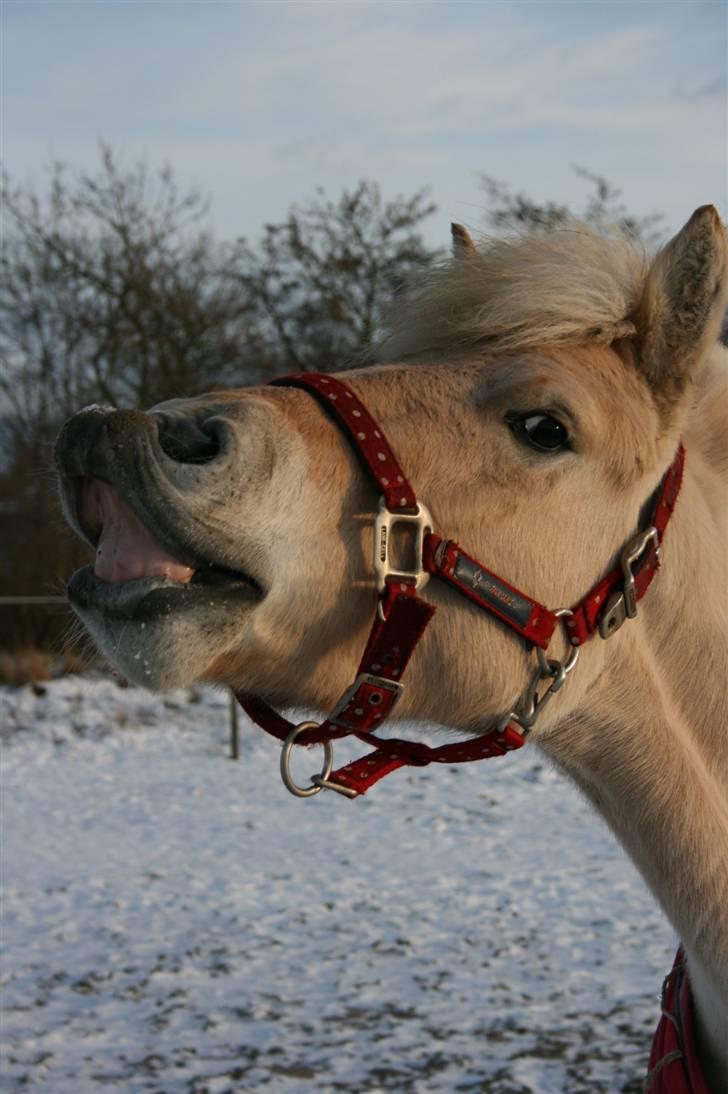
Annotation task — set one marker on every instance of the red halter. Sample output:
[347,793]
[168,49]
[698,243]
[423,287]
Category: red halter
[402,617]
[674,1066]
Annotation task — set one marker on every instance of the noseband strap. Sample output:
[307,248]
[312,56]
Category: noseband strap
[402,616]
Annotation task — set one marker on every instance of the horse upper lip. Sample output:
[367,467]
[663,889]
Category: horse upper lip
[78,515]
[119,448]
[206,570]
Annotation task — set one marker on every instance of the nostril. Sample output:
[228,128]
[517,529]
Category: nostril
[185,440]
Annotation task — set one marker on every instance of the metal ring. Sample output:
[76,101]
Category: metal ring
[294,788]
[558,671]
[574,651]
[573,654]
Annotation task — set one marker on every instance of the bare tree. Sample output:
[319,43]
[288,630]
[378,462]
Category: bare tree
[603,209]
[320,279]
[111,288]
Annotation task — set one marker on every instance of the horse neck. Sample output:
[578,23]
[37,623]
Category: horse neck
[650,746]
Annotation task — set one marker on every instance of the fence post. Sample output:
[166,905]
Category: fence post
[234,743]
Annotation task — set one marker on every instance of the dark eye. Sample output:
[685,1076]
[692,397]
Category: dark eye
[539,431]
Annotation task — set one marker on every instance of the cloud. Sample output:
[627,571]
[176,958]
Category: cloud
[260,102]
[693,91]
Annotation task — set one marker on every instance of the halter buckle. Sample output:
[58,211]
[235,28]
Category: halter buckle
[622,604]
[384,523]
[393,688]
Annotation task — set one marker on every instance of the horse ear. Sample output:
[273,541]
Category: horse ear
[683,303]
[462,242]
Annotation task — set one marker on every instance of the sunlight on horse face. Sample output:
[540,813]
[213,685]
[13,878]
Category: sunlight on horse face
[234,530]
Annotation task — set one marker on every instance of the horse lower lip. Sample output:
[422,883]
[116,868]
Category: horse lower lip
[148,597]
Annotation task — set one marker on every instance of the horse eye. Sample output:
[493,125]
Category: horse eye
[539,431]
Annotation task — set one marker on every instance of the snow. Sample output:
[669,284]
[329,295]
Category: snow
[175,921]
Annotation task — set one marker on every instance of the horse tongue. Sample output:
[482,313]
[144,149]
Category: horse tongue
[126,550]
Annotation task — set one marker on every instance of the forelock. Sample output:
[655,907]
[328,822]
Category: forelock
[568,285]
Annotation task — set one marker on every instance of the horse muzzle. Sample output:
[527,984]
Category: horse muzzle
[133,486]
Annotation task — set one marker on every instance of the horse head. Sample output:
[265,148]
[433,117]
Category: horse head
[535,401]
[535,392]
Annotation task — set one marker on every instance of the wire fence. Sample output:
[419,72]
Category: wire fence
[48,601]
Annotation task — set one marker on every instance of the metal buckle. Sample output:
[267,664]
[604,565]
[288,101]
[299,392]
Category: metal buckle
[573,651]
[381,682]
[383,524]
[623,603]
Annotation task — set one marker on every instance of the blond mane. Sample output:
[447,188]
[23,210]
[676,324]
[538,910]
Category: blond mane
[568,285]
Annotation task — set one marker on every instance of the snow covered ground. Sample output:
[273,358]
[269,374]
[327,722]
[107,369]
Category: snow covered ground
[174,921]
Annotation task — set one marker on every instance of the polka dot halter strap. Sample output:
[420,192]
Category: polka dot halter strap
[402,616]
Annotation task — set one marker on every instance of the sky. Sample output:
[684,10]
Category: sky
[258,103]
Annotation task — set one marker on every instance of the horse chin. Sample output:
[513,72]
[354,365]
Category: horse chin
[159,633]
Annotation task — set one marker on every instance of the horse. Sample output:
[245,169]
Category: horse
[559,402]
